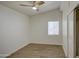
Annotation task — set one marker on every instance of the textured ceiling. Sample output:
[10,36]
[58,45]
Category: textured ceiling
[49,5]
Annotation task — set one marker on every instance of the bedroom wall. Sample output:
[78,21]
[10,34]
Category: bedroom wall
[39,28]
[14,31]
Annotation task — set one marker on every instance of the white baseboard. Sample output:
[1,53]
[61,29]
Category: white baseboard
[46,43]
[64,52]
[5,55]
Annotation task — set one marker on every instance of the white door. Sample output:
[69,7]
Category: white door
[71,35]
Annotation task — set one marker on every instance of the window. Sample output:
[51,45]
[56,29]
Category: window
[53,27]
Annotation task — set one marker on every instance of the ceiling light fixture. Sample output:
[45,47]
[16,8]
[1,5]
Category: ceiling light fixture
[34,8]
[35,5]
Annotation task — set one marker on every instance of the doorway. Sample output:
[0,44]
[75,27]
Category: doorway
[77,31]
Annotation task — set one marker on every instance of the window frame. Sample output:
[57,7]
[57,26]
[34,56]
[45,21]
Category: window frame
[55,29]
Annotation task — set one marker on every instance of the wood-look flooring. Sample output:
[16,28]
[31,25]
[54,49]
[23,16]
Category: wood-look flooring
[39,51]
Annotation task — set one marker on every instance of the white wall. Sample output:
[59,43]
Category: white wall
[64,26]
[39,24]
[14,31]
[71,34]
